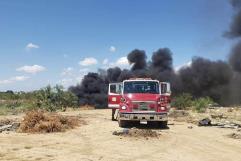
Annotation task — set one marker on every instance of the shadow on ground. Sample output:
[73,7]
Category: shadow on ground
[149,125]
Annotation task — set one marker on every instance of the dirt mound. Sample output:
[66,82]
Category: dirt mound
[44,122]
[134,132]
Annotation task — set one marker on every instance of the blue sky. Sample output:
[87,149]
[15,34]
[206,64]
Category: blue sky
[58,41]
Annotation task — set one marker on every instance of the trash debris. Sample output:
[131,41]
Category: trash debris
[218,116]
[10,126]
[234,136]
[205,122]
[190,127]
[226,124]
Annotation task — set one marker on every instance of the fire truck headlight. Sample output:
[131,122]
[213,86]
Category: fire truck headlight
[123,107]
[163,108]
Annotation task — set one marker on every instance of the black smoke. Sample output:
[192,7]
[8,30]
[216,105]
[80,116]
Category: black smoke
[235,55]
[202,78]
[91,91]
[137,58]
[235,29]
[162,60]
[207,78]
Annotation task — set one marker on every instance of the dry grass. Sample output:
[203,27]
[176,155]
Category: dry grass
[44,122]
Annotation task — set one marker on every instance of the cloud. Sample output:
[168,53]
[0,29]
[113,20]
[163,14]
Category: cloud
[88,61]
[112,49]
[66,82]
[30,46]
[31,69]
[122,61]
[67,71]
[14,79]
[84,70]
[105,61]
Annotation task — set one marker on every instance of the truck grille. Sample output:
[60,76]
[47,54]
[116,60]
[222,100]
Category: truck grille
[144,106]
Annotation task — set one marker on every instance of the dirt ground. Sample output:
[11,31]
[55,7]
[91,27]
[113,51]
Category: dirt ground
[95,142]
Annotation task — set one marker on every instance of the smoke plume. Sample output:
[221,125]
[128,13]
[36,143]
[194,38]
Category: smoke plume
[207,78]
[138,59]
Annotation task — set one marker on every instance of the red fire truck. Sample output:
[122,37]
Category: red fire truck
[141,100]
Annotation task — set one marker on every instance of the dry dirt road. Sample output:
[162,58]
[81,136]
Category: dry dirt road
[95,142]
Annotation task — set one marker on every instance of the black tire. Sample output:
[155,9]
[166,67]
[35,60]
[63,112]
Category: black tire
[113,115]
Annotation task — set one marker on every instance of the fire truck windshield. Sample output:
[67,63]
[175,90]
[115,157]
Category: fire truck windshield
[151,87]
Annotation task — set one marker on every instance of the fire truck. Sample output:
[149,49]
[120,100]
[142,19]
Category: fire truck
[142,100]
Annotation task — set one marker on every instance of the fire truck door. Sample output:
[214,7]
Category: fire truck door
[114,95]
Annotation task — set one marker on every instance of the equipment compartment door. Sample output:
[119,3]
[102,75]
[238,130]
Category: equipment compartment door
[114,95]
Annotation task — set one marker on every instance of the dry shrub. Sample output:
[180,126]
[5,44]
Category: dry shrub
[44,122]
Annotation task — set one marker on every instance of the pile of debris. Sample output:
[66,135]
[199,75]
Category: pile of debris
[45,122]
[137,133]
[9,125]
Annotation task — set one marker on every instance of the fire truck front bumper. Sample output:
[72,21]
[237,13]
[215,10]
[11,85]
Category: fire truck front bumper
[143,116]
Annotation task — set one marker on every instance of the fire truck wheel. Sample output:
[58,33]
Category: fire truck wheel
[113,115]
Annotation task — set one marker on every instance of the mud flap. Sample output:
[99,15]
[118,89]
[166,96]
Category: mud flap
[116,114]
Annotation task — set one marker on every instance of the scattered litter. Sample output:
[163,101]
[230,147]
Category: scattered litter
[190,127]
[134,132]
[234,136]
[218,116]
[226,124]
[8,125]
[205,122]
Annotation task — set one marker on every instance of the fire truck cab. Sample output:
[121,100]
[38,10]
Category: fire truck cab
[139,100]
